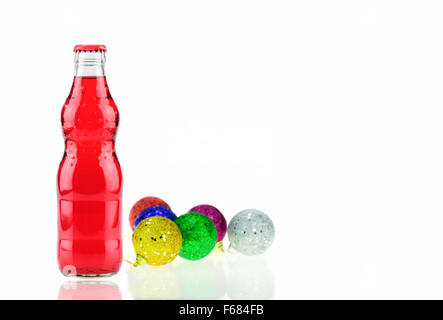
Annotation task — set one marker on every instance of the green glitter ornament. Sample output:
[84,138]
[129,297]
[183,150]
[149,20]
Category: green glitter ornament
[199,235]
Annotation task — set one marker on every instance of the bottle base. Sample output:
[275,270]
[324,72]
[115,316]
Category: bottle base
[71,271]
[91,275]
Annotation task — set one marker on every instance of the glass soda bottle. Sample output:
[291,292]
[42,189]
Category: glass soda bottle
[89,180]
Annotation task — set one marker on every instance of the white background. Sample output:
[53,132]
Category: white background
[324,114]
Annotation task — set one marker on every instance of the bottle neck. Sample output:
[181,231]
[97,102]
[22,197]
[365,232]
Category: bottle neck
[89,64]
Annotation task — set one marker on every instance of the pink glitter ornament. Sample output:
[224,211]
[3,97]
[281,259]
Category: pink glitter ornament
[217,217]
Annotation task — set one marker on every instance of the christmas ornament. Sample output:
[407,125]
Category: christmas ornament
[199,235]
[154,211]
[157,241]
[142,204]
[251,232]
[217,217]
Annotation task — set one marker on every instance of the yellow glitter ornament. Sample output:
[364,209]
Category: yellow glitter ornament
[157,241]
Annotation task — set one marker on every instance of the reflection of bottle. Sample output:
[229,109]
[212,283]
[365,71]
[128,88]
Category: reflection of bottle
[89,176]
[87,290]
[249,278]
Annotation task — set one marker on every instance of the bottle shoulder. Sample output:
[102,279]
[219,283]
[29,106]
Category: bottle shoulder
[89,106]
[95,118]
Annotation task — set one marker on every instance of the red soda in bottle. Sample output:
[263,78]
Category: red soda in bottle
[89,178]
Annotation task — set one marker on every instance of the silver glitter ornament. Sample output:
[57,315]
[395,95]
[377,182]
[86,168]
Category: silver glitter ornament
[251,232]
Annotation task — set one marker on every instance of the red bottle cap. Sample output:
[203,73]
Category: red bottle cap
[90,47]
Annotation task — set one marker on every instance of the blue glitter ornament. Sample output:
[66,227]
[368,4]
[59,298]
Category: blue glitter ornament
[154,211]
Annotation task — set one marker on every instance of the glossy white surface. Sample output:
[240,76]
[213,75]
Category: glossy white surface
[326,115]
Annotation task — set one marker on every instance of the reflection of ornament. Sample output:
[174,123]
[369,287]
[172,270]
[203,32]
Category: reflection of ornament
[153,212]
[197,280]
[199,235]
[251,232]
[142,204]
[217,217]
[153,283]
[249,278]
[157,241]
